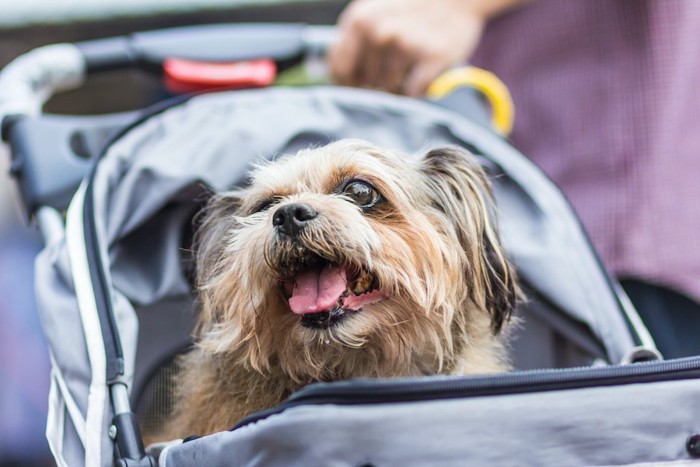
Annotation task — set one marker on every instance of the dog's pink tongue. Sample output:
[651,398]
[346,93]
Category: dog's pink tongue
[317,289]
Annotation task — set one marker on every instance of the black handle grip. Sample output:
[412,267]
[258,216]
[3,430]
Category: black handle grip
[282,43]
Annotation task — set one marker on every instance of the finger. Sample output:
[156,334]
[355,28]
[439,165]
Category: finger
[421,75]
[385,58]
[395,66]
[368,72]
[343,58]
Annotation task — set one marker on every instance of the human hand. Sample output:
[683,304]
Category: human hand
[401,46]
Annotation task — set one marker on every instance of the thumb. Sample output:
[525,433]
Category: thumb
[421,75]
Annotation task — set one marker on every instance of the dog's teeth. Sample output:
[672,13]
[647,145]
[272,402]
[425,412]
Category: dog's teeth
[362,284]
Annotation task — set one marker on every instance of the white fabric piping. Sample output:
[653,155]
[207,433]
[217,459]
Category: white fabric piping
[80,270]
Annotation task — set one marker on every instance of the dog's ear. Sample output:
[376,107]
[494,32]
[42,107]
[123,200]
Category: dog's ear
[213,224]
[459,188]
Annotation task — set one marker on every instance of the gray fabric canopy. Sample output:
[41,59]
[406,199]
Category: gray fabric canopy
[153,177]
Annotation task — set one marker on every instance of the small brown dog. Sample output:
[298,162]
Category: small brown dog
[341,262]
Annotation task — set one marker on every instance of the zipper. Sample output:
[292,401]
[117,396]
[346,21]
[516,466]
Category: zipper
[374,391]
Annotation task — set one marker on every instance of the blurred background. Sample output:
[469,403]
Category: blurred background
[25,25]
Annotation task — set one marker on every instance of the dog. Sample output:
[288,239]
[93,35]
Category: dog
[344,261]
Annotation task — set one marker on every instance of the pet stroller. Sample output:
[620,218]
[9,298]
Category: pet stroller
[114,196]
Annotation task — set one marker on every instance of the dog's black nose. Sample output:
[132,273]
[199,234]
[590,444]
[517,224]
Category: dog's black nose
[291,218]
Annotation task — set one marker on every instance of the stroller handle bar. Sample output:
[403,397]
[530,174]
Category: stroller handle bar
[31,79]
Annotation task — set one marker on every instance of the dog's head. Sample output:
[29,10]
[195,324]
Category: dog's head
[350,260]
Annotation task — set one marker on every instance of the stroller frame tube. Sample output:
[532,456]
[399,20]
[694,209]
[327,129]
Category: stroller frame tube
[125,431]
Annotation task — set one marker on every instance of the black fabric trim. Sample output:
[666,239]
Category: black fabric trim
[375,391]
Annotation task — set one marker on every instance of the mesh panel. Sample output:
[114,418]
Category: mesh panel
[156,402]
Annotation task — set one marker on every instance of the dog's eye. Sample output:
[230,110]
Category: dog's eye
[262,205]
[361,193]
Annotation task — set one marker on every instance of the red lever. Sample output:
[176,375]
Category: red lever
[188,75]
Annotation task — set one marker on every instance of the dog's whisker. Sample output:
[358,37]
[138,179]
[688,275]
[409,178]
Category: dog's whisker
[399,323]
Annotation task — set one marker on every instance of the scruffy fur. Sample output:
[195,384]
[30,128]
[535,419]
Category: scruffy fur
[431,243]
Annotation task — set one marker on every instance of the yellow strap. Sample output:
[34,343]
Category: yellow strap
[483,81]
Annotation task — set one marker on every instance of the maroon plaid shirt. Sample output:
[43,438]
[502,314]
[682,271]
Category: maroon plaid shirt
[607,96]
